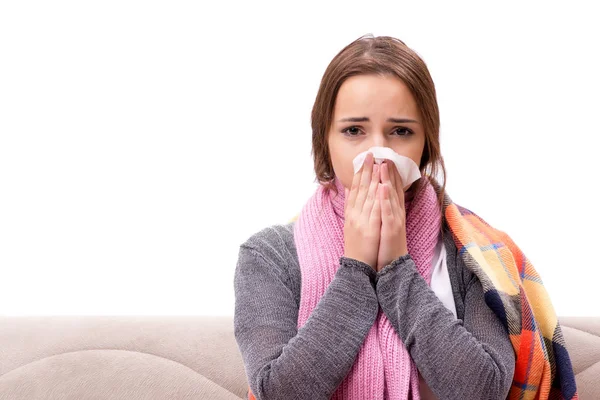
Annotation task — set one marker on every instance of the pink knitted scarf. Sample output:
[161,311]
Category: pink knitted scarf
[383,368]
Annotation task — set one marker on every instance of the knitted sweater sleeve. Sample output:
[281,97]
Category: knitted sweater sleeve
[281,361]
[471,358]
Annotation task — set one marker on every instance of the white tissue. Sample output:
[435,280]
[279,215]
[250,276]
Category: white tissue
[407,168]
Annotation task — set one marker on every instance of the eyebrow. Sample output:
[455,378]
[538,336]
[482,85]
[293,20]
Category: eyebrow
[366,119]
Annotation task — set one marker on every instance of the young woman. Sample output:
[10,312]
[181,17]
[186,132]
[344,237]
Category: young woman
[381,290]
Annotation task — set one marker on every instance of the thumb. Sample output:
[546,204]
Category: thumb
[345,201]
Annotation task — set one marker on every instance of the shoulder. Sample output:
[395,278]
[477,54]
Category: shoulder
[273,241]
[274,247]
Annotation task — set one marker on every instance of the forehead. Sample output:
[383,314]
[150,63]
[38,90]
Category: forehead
[373,95]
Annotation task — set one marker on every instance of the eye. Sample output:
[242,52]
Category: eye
[405,131]
[350,131]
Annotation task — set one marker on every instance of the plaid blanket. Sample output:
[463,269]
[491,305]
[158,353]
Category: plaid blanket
[515,292]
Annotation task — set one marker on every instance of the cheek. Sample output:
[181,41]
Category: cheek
[417,159]
[415,154]
[347,179]
[344,172]
[343,169]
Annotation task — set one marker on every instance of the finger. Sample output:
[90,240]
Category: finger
[356,184]
[385,173]
[387,208]
[375,217]
[396,182]
[400,189]
[365,181]
[391,192]
[395,176]
[372,194]
[392,172]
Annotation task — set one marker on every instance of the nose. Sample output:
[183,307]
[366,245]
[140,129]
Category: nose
[379,139]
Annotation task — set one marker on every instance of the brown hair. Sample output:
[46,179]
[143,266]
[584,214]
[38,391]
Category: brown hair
[383,55]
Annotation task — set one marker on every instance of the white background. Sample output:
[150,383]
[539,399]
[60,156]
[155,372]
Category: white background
[142,142]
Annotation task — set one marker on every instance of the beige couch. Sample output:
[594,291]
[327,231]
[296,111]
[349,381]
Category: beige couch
[169,358]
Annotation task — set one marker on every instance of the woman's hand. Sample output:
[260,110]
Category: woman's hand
[392,242]
[362,214]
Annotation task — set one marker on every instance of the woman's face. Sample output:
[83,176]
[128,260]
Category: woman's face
[373,110]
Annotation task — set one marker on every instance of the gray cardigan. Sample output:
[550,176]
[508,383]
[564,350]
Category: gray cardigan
[466,358]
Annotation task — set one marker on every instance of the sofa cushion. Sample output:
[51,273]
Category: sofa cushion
[39,353]
[108,374]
